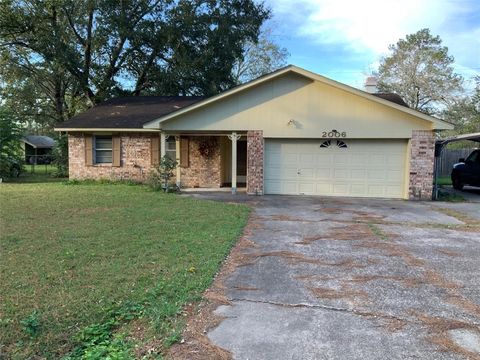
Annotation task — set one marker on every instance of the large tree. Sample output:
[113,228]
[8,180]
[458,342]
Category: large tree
[420,70]
[77,53]
[260,58]
[465,112]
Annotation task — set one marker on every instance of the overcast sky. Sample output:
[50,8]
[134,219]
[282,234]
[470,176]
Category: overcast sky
[343,39]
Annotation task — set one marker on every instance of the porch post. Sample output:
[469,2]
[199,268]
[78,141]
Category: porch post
[163,140]
[177,151]
[234,137]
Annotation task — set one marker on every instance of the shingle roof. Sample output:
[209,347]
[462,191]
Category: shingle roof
[38,141]
[397,99]
[133,112]
[127,112]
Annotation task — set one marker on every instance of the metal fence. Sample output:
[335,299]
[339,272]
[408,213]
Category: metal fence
[450,157]
[38,164]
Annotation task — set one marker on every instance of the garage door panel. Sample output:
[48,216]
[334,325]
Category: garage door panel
[307,188]
[341,159]
[378,174]
[324,173]
[357,189]
[341,189]
[341,174]
[357,174]
[324,159]
[393,175]
[365,168]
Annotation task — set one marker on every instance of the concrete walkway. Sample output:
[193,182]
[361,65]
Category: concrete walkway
[330,278]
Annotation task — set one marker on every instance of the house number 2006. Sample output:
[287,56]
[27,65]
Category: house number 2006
[334,134]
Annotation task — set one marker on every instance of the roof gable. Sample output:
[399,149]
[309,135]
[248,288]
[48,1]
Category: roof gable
[390,100]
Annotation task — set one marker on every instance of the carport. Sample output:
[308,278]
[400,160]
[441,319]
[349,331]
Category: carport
[440,145]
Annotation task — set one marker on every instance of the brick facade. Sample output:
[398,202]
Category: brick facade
[135,163]
[422,149]
[255,149]
[202,171]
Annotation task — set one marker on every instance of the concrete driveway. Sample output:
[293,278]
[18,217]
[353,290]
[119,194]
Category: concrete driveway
[337,278]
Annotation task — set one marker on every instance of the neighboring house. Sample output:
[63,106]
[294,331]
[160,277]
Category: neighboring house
[288,132]
[37,148]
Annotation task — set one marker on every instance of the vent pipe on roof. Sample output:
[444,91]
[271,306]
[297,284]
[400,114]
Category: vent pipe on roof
[371,84]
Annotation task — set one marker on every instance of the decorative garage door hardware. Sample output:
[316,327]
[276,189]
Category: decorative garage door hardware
[340,144]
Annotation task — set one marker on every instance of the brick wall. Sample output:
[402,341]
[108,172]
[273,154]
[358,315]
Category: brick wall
[134,153]
[202,171]
[255,148]
[421,164]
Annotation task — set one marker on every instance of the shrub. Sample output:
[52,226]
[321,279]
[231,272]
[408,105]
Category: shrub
[31,324]
[60,156]
[159,178]
[10,149]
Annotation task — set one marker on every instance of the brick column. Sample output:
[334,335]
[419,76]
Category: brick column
[255,162]
[422,149]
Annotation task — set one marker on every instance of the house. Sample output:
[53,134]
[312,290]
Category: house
[37,148]
[288,132]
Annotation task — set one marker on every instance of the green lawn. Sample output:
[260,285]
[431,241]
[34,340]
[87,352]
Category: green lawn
[81,263]
[444,180]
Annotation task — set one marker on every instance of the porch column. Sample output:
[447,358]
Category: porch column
[234,137]
[163,140]
[177,152]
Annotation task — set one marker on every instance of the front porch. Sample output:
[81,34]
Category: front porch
[230,160]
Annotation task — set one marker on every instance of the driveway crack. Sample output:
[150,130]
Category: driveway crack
[323,307]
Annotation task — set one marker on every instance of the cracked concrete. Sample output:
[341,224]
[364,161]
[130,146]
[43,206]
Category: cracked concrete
[336,278]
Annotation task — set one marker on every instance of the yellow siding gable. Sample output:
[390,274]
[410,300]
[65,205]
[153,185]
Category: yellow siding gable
[293,106]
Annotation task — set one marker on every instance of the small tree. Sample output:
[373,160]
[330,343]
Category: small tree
[160,176]
[60,156]
[10,149]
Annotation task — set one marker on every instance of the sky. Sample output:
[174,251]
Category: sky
[344,39]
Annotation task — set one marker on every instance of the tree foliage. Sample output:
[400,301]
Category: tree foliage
[465,112]
[420,70]
[260,58]
[10,147]
[60,56]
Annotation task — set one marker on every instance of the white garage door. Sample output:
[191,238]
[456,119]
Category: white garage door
[364,168]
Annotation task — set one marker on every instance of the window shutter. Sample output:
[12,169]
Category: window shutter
[116,150]
[155,150]
[184,152]
[88,149]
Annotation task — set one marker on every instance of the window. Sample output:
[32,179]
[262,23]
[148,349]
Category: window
[474,157]
[171,148]
[103,149]
[326,144]
[341,144]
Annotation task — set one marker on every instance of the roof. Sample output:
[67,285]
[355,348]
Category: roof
[471,136]
[437,123]
[39,141]
[127,112]
[395,98]
[441,143]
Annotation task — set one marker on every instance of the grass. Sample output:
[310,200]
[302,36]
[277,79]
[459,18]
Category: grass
[84,266]
[444,180]
[39,169]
